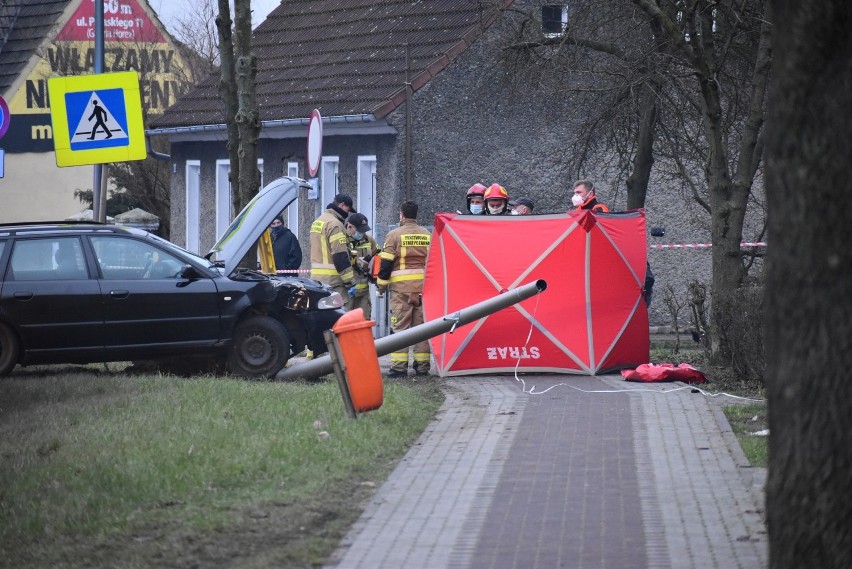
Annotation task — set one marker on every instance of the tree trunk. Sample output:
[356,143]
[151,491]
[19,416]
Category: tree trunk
[808,314]
[228,92]
[643,160]
[247,117]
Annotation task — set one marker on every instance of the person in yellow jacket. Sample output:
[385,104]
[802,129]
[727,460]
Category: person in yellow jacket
[362,247]
[402,271]
[330,262]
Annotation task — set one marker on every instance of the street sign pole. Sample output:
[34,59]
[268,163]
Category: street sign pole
[98,197]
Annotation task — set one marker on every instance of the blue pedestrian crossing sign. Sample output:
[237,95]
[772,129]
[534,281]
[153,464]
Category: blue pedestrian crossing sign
[97,118]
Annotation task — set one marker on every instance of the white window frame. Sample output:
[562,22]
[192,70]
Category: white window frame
[224,194]
[293,210]
[366,192]
[329,176]
[192,212]
[552,34]
[224,199]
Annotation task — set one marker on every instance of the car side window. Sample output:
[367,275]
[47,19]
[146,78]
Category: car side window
[128,259]
[51,259]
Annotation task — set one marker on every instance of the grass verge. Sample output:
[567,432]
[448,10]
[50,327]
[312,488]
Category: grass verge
[746,421]
[112,470]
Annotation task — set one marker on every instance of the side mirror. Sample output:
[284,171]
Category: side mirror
[189,272]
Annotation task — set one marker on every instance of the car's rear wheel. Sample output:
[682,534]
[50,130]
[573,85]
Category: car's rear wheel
[260,348]
[9,346]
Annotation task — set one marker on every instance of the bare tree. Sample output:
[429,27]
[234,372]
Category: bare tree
[603,61]
[684,81]
[704,36]
[237,88]
[196,29]
[808,316]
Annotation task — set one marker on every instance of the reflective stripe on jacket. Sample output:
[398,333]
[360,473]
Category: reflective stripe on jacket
[330,250]
[404,257]
[363,249]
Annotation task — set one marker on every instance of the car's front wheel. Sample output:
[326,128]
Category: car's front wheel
[8,349]
[260,348]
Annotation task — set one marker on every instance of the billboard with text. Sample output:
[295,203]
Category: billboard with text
[133,41]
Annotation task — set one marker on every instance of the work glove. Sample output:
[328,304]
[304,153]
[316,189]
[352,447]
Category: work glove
[351,290]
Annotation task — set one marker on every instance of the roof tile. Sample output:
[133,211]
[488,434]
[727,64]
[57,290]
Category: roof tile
[23,26]
[343,57]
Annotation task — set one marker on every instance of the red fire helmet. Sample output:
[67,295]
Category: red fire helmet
[496,192]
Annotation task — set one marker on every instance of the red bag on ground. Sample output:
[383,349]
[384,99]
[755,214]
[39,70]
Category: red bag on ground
[650,373]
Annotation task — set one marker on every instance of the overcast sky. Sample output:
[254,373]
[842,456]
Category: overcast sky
[169,10]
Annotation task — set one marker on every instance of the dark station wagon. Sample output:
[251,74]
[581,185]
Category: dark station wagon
[87,292]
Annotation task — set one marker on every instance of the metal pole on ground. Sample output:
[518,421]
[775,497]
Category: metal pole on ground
[323,365]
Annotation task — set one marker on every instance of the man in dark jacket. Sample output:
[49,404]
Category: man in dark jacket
[285,247]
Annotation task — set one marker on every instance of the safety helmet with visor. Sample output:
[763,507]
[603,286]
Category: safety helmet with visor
[476,198]
[496,199]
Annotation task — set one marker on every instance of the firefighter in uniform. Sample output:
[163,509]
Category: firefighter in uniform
[476,199]
[362,247]
[402,271]
[497,200]
[584,197]
[330,262]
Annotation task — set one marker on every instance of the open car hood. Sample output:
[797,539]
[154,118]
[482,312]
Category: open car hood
[253,220]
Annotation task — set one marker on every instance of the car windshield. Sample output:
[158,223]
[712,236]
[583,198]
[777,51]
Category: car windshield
[171,246]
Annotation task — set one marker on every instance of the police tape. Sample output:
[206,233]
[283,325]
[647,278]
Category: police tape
[290,271]
[703,245]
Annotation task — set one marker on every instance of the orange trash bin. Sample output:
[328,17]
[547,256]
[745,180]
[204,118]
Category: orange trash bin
[361,362]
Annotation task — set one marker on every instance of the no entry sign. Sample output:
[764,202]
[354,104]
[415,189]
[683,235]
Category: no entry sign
[314,142]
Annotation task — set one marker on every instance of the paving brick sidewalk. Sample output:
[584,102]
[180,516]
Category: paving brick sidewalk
[568,478]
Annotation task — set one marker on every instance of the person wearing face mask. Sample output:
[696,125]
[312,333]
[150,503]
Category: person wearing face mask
[476,199]
[362,247]
[402,271]
[497,200]
[521,206]
[584,197]
[285,246]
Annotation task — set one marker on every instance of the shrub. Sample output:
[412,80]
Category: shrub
[742,326]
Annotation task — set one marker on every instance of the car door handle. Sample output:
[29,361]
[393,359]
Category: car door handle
[119,293]
[23,295]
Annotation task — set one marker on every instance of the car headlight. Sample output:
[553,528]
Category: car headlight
[330,302]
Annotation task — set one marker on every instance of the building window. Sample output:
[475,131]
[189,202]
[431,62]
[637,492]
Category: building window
[193,205]
[554,20]
[329,179]
[224,195]
[365,200]
[224,206]
[293,209]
